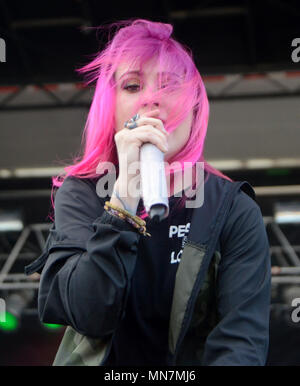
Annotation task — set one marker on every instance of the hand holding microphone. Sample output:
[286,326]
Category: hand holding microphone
[147,143]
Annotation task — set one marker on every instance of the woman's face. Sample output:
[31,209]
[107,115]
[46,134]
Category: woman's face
[131,87]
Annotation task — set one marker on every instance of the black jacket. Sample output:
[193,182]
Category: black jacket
[220,309]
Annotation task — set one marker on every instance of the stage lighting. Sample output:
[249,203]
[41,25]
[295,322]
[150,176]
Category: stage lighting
[11,221]
[52,326]
[15,303]
[287,213]
[9,322]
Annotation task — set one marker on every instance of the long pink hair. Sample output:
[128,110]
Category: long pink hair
[135,42]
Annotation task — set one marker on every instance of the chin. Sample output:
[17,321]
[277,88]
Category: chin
[169,154]
[166,156]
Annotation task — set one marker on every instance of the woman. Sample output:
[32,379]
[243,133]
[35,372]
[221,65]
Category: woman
[193,289]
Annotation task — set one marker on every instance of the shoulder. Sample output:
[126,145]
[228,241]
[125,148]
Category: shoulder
[244,198]
[72,185]
[218,190]
[244,212]
[78,189]
[243,205]
[76,201]
[244,223]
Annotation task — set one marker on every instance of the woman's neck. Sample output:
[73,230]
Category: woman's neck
[179,184]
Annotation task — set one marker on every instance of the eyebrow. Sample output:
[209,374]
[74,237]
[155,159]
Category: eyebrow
[141,73]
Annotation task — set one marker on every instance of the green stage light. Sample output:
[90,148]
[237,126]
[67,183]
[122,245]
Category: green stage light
[52,326]
[278,172]
[10,322]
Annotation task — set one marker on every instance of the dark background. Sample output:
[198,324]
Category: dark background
[45,41]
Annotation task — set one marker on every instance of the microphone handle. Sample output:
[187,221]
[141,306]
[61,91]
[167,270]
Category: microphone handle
[153,182]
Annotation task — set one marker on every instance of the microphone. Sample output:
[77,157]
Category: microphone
[153,182]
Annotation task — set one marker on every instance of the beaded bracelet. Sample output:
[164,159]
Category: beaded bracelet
[136,221]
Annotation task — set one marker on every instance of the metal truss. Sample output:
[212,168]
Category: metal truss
[222,87]
[55,100]
[286,254]
[19,281]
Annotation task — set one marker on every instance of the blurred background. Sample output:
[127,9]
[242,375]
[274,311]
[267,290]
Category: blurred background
[248,53]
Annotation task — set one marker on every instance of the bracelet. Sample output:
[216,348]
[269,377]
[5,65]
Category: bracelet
[136,221]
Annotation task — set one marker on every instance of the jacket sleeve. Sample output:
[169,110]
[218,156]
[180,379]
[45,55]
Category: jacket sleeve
[91,258]
[243,290]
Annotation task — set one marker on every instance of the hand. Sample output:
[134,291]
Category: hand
[129,142]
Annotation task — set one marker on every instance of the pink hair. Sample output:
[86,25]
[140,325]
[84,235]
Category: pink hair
[135,42]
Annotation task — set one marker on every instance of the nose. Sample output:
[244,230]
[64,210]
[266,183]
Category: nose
[154,104]
[150,100]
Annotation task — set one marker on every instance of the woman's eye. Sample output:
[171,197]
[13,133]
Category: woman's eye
[170,85]
[136,87]
[132,87]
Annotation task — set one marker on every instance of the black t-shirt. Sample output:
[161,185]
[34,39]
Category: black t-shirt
[142,337]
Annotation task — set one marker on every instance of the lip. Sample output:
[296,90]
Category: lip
[161,119]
